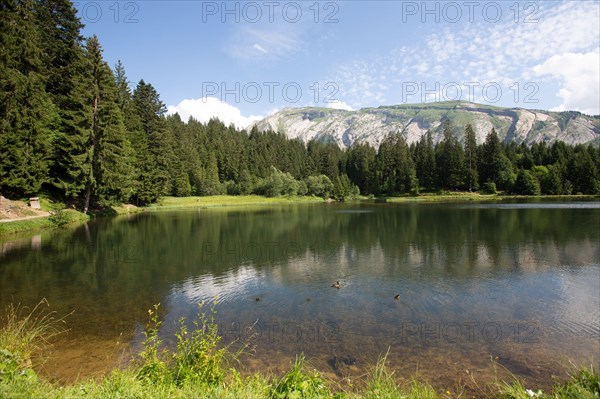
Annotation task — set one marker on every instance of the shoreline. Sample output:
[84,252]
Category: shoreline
[156,371]
[35,223]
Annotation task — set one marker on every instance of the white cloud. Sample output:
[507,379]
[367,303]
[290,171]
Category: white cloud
[579,75]
[270,43]
[259,48]
[502,53]
[203,109]
[337,104]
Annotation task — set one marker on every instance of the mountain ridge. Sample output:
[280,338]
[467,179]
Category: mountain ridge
[413,120]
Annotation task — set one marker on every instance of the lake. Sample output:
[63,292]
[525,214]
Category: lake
[484,288]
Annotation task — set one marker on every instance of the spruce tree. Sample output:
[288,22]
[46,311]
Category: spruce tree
[425,161]
[112,154]
[495,166]
[153,145]
[396,169]
[450,160]
[61,45]
[471,176]
[360,165]
[93,164]
[26,112]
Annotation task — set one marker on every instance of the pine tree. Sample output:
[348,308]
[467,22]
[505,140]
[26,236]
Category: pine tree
[396,168]
[450,160]
[61,45]
[471,176]
[495,166]
[93,166]
[425,161]
[583,173]
[361,164]
[26,112]
[122,86]
[153,145]
[111,177]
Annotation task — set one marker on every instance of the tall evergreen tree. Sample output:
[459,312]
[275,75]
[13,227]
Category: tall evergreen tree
[93,156]
[396,169]
[361,166]
[61,45]
[153,145]
[123,92]
[111,168]
[583,173]
[450,160]
[26,112]
[425,161]
[471,175]
[495,166]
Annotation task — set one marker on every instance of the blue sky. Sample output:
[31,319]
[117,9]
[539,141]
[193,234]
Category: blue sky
[241,61]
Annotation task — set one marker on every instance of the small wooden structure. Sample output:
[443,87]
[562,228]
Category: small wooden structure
[34,203]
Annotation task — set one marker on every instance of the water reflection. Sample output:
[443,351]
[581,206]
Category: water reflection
[512,281]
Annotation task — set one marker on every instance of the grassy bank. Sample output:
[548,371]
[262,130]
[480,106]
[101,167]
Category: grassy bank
[457,196]
[58,219]
[62,218]
[466,196]
[200,367]
[219,201]
[227,200]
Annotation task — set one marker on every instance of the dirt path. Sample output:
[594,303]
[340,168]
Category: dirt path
[11,211]
[24,218]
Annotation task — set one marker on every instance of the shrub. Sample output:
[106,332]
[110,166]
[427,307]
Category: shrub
[153,368]
[320,186]
[526,183]
[64,217]
[198,358]
[298,383]
[489,187]
[343,188]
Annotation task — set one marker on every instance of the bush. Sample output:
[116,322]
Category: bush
[320,186]
[300,384]
[489,187]
[153,368]
[278,183]
[526,183]
[197,359]
[64,217]
[343,188]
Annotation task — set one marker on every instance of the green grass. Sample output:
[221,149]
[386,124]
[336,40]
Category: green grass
[227,200]
[24,225]
[583,384]
[59,218]
[473,196]
[201,368]
[220,201]
[448,196]
[381,383]
[24,338]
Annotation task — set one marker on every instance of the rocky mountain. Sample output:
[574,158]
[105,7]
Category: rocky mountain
[413,120]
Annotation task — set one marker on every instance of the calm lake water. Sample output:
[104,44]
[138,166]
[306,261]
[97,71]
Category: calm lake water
[485,289]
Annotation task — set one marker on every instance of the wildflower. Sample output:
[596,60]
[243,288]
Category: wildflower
[532,394]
